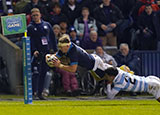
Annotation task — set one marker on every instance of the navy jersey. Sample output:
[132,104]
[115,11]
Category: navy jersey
[78,56]
[38,32]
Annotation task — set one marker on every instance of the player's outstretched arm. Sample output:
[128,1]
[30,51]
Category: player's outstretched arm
[53,61]
[69,68]
[111,93]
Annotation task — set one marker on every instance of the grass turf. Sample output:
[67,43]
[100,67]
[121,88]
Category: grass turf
[81,107]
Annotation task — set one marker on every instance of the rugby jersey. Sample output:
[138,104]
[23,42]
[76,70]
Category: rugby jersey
[127,82]
[78,56]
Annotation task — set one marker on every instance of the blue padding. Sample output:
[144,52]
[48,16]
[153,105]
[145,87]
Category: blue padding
[150,62]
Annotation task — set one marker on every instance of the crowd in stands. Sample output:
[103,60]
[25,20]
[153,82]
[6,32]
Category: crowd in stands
[91,24]
[116,21]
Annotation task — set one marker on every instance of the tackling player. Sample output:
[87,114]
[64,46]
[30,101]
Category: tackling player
[124,81]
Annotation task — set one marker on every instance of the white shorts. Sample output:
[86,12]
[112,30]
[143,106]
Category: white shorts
[99,63]
[154,86]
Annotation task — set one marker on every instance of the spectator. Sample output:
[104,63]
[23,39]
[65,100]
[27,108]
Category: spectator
[85,24]
[47,82]
[73,36]
[42,42]
[57,31]
[45,9]
[62,1]
[91,4]
[72,10]
[149,26]
[17,39]
[158,2]
[51,2]
[56,16]
[125,6]
[125,29]
[139,7]
[31,5]
[69,81]
[1,7]
[128,58]
[155,7]
[64,26]
[92,42]
[105,57]
[108,17]
[20,5]
[6,7]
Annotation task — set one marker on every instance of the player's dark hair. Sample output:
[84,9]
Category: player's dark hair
[111,71]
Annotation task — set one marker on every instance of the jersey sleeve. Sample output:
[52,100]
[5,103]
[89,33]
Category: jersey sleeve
[73,57]
[111,93]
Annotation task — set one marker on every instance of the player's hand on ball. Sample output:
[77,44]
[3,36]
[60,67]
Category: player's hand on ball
[56,63]
[51,60]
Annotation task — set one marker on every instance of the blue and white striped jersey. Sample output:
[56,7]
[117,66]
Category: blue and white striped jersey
[127,82]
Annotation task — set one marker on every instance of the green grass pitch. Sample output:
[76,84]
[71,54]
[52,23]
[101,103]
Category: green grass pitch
[81,107]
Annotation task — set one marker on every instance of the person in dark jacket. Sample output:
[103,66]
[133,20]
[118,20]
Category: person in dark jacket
[6,7]
[73,36]
[108,18]
[42,42]
[92,42]
[91,4]
[56,16]
[140,3]
[128,58]
[149,26]
[72,10]
[31,5]
[125,6]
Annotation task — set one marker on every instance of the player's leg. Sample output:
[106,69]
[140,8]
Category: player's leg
[158,94]
[99,63]
[154,86]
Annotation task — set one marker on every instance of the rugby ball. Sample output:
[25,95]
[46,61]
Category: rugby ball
[50,59]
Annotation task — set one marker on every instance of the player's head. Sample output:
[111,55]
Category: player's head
[64,43]
[110,73]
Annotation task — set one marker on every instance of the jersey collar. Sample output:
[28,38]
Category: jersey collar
[70,47]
